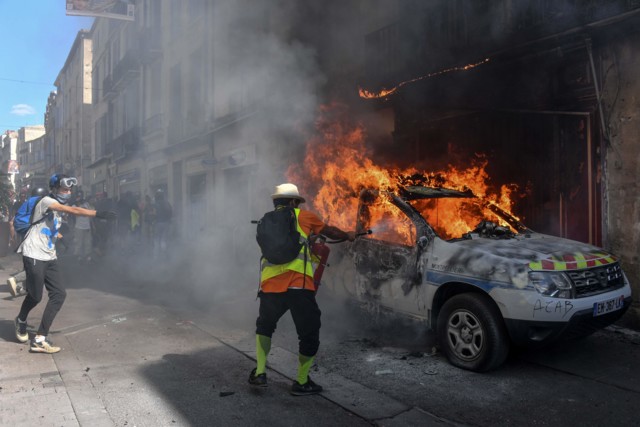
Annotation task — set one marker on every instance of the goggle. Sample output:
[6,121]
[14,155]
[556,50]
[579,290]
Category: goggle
[68,182]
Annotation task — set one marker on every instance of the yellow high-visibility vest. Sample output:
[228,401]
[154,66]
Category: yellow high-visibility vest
[269,270]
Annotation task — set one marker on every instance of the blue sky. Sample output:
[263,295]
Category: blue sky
[35,40]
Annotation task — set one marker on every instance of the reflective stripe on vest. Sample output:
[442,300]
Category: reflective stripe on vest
[269,270]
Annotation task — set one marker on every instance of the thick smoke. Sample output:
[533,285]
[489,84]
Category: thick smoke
[269,75]
[269,82]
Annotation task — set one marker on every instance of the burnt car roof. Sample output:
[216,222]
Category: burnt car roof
[419,192]
[415,192]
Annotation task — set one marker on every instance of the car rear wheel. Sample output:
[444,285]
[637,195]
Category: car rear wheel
[471,333]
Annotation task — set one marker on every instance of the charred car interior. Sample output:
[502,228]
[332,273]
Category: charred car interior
[477,276]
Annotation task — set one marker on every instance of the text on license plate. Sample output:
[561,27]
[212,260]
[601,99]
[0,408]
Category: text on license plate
[608,306]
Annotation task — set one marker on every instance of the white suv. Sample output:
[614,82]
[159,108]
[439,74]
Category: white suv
[496,285]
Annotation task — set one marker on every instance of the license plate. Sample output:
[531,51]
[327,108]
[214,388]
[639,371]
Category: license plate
[604,307]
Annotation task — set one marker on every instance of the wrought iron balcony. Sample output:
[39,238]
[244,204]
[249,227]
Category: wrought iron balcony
[127,144]
[176,131]
[154,124]
[108,90]
[127,68]
[150,45]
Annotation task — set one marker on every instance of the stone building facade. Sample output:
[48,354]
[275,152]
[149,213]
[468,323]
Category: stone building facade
[70,146]
[621,98]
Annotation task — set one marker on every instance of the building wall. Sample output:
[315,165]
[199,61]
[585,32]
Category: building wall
[98,171]
[621,95]
[83,148]
[116,108]
[25,150]
[70,113]
[195,97]
[50,124]
[9,152]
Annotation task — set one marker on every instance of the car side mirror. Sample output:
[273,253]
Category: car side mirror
[423,242]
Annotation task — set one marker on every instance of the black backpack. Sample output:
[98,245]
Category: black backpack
[278,236]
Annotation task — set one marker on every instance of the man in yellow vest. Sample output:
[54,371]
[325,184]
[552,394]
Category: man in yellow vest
[290,287]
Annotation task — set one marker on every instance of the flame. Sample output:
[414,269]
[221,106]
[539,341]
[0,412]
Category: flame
[386,92]
[375,95]
[338,166]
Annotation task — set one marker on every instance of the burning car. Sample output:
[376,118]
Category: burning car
[497,285]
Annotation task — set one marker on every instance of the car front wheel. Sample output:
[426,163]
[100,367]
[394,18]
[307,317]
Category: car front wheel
[471,333]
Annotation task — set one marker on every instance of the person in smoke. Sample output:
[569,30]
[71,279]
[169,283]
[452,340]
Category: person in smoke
[82,234]
[161,223]
[148,218]
[291,287]
[123,208]
[102,229]
[40,260]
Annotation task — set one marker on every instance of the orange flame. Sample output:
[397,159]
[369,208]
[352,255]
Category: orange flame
[386,92]
[376,95]
[338,166]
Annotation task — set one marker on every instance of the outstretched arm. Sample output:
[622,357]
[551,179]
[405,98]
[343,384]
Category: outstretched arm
[73,210]
[76,210]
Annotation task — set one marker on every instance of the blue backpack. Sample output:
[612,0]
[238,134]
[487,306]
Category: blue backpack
[24,217]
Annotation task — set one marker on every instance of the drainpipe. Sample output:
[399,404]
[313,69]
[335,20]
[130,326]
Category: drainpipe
[605,130]
[607,138]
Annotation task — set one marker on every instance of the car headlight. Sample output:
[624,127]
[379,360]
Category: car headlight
[551,283]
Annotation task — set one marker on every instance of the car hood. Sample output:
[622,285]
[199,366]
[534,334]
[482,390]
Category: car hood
[541,251]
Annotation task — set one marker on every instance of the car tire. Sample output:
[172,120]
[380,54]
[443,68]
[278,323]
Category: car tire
[471,333]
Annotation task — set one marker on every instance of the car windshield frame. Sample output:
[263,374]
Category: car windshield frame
[418,192]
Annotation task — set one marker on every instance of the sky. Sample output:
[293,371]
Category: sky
[35,41]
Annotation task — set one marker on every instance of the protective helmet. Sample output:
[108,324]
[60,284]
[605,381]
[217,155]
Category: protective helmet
[287,191]
[61,180]
[159,194]
[38,191]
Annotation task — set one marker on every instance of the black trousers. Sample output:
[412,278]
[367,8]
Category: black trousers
[42,274]
[304,311]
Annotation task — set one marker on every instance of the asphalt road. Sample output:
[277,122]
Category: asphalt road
[153,346]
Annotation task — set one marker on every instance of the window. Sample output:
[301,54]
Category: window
[195,83]
[175,18]
[195,9]
[154,89]
[156,14]
[95,84]
[131,105]
[175,85]
[115,46]
[388,221]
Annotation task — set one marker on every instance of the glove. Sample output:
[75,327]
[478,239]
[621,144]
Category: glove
[108,215]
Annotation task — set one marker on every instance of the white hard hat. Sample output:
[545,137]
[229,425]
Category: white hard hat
[287,191]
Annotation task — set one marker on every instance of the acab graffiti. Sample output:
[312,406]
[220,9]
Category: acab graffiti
[550,306]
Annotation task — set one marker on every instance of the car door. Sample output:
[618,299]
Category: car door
[386,260]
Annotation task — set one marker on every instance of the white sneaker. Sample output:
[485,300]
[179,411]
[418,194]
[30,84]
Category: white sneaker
[13,286]
[44,346]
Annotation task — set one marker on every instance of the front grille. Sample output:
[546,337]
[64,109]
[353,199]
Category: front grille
[597,280]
